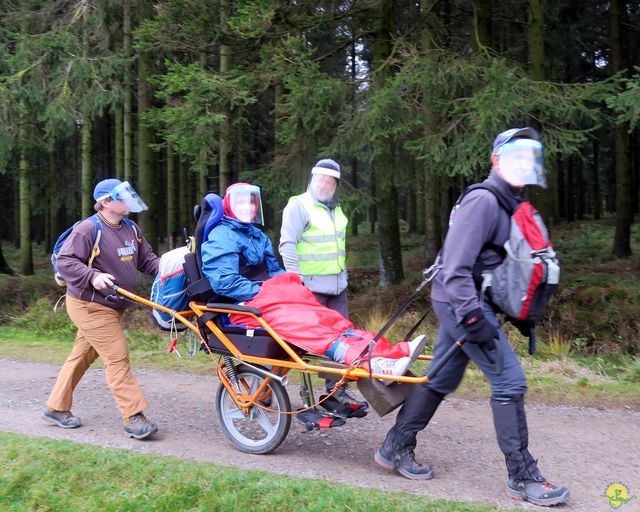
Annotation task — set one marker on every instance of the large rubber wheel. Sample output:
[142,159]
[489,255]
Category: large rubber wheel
[259,431]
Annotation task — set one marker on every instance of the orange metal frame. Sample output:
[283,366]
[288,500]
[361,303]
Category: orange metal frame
[281,367]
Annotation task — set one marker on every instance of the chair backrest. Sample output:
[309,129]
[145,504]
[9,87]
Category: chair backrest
[207,214]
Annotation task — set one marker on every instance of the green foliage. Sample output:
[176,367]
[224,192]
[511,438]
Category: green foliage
[313,101]
[19,292]
[41,319]
[632,374]
[626,103]
[252,18]
[309,112]
[180,26]
[470,100]
[598,297]
[197,102]
[60,70]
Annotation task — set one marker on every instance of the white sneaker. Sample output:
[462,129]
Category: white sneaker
[416,346]
[386,366]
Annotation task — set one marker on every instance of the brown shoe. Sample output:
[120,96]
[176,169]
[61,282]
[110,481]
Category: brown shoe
[139,427]
[62,419]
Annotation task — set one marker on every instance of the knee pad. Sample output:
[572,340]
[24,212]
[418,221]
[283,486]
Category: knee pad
[507,399]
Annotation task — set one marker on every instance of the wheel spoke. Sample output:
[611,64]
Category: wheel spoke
[234,413]
[263,421]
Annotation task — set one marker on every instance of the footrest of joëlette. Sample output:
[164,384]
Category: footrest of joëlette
[382,398]
[343,410]
[314,419]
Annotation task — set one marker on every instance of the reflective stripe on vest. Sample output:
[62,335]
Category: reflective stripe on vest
[321,250]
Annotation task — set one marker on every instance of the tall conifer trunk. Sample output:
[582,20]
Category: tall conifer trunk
[184,213]
[86,180]
[225,130]
[278,96]
[541,198]
[26,253]
[172,200]
[597,193]
[52,208]
[146,137]
[353,61]
[127,116]
[15,186]
[383,161]
[430,182]
[119,142]
[482,19]
[4,266]
[624,215]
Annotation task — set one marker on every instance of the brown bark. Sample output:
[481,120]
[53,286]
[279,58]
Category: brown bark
[383,161]
[624,215]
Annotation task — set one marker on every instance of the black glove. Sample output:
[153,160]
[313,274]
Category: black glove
[479,330]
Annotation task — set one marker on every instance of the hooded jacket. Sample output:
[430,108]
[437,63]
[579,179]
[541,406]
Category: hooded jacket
[236,258]
[479,221]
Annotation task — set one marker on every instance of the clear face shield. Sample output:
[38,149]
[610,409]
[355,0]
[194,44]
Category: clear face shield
[246,204]
[323,187]
[125,193]
[520,163]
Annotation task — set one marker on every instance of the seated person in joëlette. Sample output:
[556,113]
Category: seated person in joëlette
[240,263]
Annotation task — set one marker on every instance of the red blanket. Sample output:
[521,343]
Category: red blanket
[296,315]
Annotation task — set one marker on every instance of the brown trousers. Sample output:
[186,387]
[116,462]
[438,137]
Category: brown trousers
[99,335]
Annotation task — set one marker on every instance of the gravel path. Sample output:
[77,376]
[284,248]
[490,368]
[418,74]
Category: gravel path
[586,449]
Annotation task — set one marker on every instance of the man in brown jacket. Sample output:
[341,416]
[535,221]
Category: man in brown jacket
[97,314]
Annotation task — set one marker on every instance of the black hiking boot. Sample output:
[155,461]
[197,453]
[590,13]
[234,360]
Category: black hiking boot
[62,419]
[543,493]
[525,479]
[385,455]
[404,463]
[139,427]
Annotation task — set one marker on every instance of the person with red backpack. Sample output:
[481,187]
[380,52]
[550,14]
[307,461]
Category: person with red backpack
[482,222]
[96,253]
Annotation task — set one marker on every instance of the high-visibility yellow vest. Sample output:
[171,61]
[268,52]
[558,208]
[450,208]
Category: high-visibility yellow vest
[321,250]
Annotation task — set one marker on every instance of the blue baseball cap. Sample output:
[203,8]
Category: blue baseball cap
[104,188]
[504,137]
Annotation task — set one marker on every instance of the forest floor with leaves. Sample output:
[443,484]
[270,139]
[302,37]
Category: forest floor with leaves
[585,448]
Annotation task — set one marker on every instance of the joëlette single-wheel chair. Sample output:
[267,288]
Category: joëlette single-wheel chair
[252,404]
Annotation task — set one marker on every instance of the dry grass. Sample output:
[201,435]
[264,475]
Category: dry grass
[557,346]
[566,370]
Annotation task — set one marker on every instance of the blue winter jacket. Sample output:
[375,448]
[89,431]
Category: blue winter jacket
[229,245]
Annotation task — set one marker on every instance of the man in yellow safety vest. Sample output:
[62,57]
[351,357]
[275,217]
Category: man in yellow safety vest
[312,243]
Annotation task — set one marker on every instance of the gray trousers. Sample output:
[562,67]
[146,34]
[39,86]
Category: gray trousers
[336,302]
[510,382]
[508,388]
